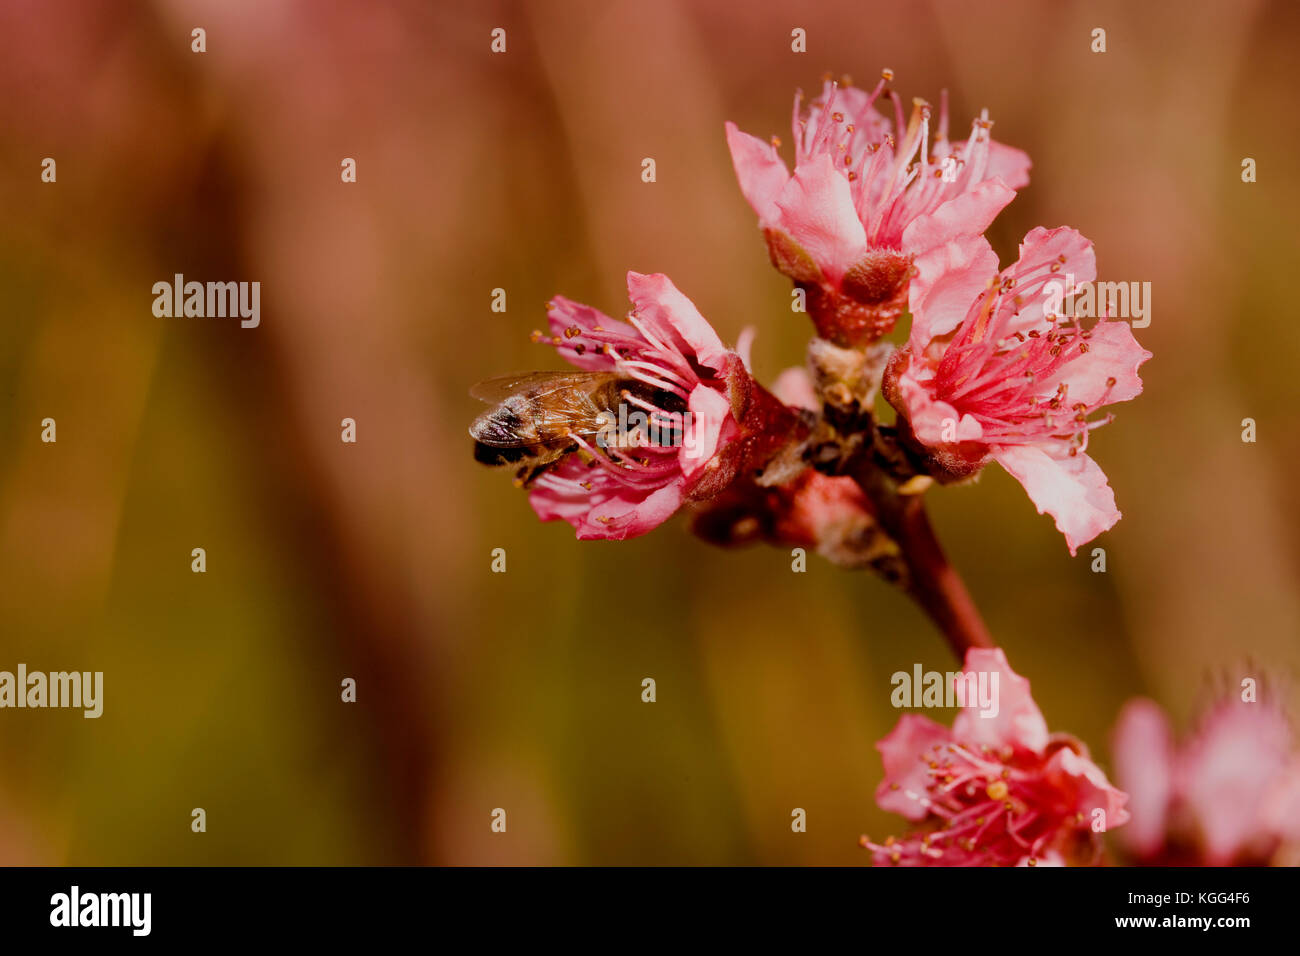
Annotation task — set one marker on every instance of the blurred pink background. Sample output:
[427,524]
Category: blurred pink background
[522,171]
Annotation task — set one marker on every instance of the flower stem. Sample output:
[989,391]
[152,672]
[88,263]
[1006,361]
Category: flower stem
[931,580]
[935,583]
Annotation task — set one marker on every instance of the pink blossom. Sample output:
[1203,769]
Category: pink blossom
[990,374]
[1229,793]
[994,790]
[859,205]
[729,421]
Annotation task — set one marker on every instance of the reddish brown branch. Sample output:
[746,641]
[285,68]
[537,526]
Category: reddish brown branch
[934,583]
[931,580]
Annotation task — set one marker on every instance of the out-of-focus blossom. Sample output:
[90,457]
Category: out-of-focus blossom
[995,790]
[991,372]
[860,204]
[1227,794]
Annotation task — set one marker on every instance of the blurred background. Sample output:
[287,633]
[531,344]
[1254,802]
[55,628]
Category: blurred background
[522,171]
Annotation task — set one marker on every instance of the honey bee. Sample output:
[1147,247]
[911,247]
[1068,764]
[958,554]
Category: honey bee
[536,416]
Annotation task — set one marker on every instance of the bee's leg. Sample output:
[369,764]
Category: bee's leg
[527,473]
[494,456]
[534,468]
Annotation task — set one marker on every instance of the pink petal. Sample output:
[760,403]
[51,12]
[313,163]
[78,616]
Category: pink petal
[1076,774]
[817,212]
[1018,722]
[760,171]
[906,774]
[1113,352]
[674,319]
[1008,164]
[630,514]
[794,387]
[1227,771]
[968,214]
[1073,490]
[1048,257]
[610,510]
[1042,246]
[709,410]
[552,504]
[869,124]
[564,314]
[1047,858]
[929,417]
[745,347]
[1144,754]
[950,277]
[1280,812]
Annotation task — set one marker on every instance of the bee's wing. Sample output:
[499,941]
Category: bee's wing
[497,390]
[554,400]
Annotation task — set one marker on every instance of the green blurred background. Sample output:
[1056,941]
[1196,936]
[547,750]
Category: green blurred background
[522,171]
